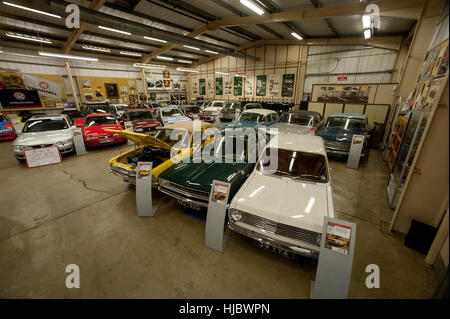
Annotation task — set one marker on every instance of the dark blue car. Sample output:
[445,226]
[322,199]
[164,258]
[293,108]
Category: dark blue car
[338,132]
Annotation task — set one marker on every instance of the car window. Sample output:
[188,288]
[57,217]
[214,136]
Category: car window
[99,120]
[171,112]
[252,106]
[193,109]
[183,137]
[299,119]
[221,150]
[295,164]
[251,117]
[268,118]
[42,125]
[140,115]
[217,104]
[346,123]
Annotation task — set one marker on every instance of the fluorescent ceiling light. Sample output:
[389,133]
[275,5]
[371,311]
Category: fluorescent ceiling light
[67,56]
[130,53]
[114,30]
[366,21]
[185,61]
[212,52]
[89,47]
[187,70]
[367,34]
[217,72]
[164,58]
[32,10]
[189,47]
[148,66]
[154,39]
[295,35]
[27,37]
[252,6]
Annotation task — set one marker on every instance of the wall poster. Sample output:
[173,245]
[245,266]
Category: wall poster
[202,86]
[228,86]
[261,85]
[347,94]
[219,86]
[249,82]
[274,84]
[428,65]
[210,86]
[237,85]
[288,85]
[194,86]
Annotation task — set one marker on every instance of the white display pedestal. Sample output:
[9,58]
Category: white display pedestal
[129,127]
[355,151]
[144,202]
[78,142]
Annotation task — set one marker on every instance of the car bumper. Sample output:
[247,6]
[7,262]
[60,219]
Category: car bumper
[128,177]
[66,149]
[265,241]
[331,151]
[100,141]
[8,136]
[178,196]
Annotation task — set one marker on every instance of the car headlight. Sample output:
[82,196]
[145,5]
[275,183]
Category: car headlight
[236,214]
[161,181]
[317,238]
[17,147]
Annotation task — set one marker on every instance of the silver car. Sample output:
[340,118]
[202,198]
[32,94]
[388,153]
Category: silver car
[45,131]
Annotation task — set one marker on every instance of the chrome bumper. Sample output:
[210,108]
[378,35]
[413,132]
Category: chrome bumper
[181,198]
[337,152]
[126,178]
[264,240]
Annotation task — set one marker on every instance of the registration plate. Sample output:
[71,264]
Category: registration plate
[108,140]
[188,204]
[273,247]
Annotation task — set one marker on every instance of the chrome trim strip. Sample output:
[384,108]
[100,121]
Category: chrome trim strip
[185,191]
[181,198]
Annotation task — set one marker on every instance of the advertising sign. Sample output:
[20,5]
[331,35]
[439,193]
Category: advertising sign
[202,85]
[42,156]
[288,85]
[274,84]
[261,85]
[43,86]
[144,170]
[18,98]
[338,238]
[219,86]
[219,192]
[249,82]
[237,86]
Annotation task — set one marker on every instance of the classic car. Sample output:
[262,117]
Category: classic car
[156,149]
[231,108]
[7,131]
[255,118]
[169,115]
[76,116]
[213,107]
[143,120]
[195,113]
[44,131]
[119,109]
[299,121]
[201,103]
[95,130]
[190,183]
[99,107]
[279,107]
[338,132]
[282,206]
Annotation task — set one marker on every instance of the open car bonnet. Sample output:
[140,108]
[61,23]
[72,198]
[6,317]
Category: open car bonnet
[142,139]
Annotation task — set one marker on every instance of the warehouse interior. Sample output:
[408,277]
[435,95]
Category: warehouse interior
[383,63]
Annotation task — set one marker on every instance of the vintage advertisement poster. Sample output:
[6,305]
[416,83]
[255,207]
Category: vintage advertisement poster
[11,81]
[249,83]
[261,85]
[228,86]
[338,238]
[237,85]
[202,86]
[219,86]
[18,98]
[219,192]
[288,85]
[274,84]
[194,86]
[210,86]
[344,94]
[428,65]
[86,84]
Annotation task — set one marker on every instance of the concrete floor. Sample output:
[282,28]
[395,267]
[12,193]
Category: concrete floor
[78,213]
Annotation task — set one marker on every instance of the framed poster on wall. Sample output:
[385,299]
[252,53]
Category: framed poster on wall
[287,89]
[219,86]
[261,85]
[228,86]
[202,86]
[237,86]
[249,81]
[274,84]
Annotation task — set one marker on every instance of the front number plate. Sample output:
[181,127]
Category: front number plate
[109,140]
[188,204]
[274,248]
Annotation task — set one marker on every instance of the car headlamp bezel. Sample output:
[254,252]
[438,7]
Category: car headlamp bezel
[237,215]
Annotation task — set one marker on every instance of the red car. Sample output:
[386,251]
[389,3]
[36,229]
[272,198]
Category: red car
[94,133]
[142,119]
[76,116]
[195,113]
[7,131]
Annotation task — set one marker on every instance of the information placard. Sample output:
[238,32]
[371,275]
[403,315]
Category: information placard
[42,156]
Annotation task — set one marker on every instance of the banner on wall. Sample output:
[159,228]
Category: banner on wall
[228,86]
[210,87]
[249,86]
[19,98]
[44,87]
[237,86]
[219,86]
[288,85]
[261,85]
[202,86]
[274,84]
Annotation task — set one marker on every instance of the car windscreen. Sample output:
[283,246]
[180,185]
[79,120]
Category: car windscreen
[42,125]
[171,112]
[192,109]
[217,104]
[296,165]
[229,106]
[3,118]
[99,120]
[102,109]
[299,119]
[346,123]
[180,137]
[120,107]
[251,117]
[233,150]
[251,106]
[141,115]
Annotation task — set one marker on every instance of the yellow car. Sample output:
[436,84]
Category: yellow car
[157,149]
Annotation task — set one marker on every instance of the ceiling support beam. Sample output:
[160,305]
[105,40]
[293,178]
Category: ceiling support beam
[76,33]
[317,4]
[409,9]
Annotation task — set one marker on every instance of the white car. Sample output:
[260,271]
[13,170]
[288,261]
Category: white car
[45,131]
[283,208]
[214,107]
[120,109]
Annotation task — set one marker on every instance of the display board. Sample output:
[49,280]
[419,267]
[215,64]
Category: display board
[42,156]
[261,85]
[202,86]
[288,85]
[238,86]
[124,90]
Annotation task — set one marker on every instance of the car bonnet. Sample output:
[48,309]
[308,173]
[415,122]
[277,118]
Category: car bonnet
[142,139]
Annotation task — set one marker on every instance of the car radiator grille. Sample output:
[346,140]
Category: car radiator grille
[41,146]
[281,229]
[341,146]
[187,192]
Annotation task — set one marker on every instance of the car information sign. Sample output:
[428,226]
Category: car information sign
[42,156]
[338,237]
[219,192]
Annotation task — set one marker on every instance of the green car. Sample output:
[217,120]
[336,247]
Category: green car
[190,183]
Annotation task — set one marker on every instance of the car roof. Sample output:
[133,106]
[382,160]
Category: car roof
[299,142]
[49,117]
[99,114]
[168,107]
[187,125]
[141,109]
[259,111]
[359,116]
[303,112]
